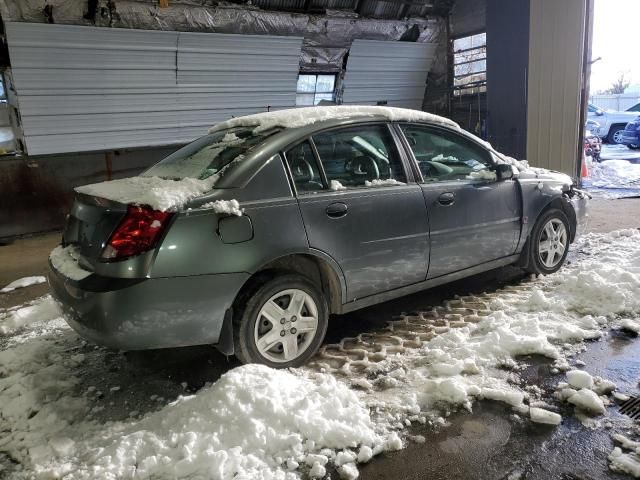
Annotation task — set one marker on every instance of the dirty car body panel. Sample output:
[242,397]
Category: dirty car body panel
[381,242]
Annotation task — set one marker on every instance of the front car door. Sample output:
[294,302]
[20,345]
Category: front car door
[359,207]
[473,217]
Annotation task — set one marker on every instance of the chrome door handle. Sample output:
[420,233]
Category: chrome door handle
[336,210]
[447,198]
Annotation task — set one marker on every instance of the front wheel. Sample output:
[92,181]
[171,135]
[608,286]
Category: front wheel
[548,244]
[615,135]
[633,147]
[282,324]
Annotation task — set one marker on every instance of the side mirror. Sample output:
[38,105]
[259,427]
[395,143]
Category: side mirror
[503,171]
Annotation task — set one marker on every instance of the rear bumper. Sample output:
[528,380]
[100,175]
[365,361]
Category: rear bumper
[138,314]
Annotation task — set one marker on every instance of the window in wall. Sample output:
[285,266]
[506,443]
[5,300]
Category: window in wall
[470,64]
[313,88]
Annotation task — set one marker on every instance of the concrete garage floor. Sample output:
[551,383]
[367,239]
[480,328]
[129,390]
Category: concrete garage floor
[490,443]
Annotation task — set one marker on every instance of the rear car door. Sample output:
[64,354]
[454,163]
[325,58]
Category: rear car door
[359,208]
[473,217]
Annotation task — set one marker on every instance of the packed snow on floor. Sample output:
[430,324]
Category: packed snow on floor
[618,152]
[300,117]
[23,282]
[42,309]
[259,423]
[625,458]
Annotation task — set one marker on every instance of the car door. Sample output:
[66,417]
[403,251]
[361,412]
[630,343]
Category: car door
[358,207]
[473,217]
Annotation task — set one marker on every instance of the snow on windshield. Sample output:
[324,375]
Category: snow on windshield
[300,117]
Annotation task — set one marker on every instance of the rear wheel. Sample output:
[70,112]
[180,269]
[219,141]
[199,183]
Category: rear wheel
[282,324]
[548,244]
[634,147]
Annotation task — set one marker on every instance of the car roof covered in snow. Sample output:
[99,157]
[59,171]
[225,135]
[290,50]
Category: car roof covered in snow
[322,115]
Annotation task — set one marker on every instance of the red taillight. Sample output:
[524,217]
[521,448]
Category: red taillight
[137,233]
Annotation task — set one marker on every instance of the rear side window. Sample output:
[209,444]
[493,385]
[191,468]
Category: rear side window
[444,156]
[208,155]
[304,168]
[365,155]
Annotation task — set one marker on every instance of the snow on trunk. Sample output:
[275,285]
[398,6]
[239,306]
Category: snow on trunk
[158,193]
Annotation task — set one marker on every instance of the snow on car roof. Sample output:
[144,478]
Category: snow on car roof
[301,117]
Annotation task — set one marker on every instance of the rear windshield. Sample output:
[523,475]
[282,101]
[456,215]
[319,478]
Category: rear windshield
[208,155]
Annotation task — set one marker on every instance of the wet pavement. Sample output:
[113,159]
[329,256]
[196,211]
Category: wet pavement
[493,443]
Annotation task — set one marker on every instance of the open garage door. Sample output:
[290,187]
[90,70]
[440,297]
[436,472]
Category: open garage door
[387,73]
[80,89]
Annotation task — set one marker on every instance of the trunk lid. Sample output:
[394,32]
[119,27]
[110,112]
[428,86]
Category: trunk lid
[90,224]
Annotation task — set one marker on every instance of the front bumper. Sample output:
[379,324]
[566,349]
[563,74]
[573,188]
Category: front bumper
[630,138]
[580,203]
[138,314]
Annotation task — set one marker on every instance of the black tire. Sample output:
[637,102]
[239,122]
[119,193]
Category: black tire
[247,309]
[531,259]
[612,132]
[633,147]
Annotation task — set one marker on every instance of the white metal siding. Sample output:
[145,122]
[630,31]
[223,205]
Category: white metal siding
[617,102]
[85,88]
[392,72]
[556,44]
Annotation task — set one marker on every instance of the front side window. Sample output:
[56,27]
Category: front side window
[444,156]
[208,155]
[360,156]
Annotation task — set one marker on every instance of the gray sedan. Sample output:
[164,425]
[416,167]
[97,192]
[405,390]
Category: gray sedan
[250,237]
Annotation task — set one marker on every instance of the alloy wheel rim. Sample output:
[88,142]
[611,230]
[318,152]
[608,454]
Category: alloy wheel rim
[617,137]
[286,325]
[552,243]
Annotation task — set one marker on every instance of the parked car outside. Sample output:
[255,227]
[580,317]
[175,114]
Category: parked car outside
[251,236]
[635,108]
[612,124]
[631,134]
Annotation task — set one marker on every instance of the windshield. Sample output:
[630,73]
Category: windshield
[208,155]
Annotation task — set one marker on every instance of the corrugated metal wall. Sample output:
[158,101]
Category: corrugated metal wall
[556,45]
[86,89]
[617,102]
[391,72]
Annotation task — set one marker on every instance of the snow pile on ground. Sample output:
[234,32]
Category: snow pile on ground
[625,462]
[442,359]
[587,393]
[39,408]
[390,182]
[618,152]
[41,310]
[65,261]
[158,193]
[300,117]
[255,422]
[614,174]
[23,282]
[226,207]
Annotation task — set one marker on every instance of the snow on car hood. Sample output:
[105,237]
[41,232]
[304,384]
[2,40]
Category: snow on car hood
[158,193]
[300,117]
